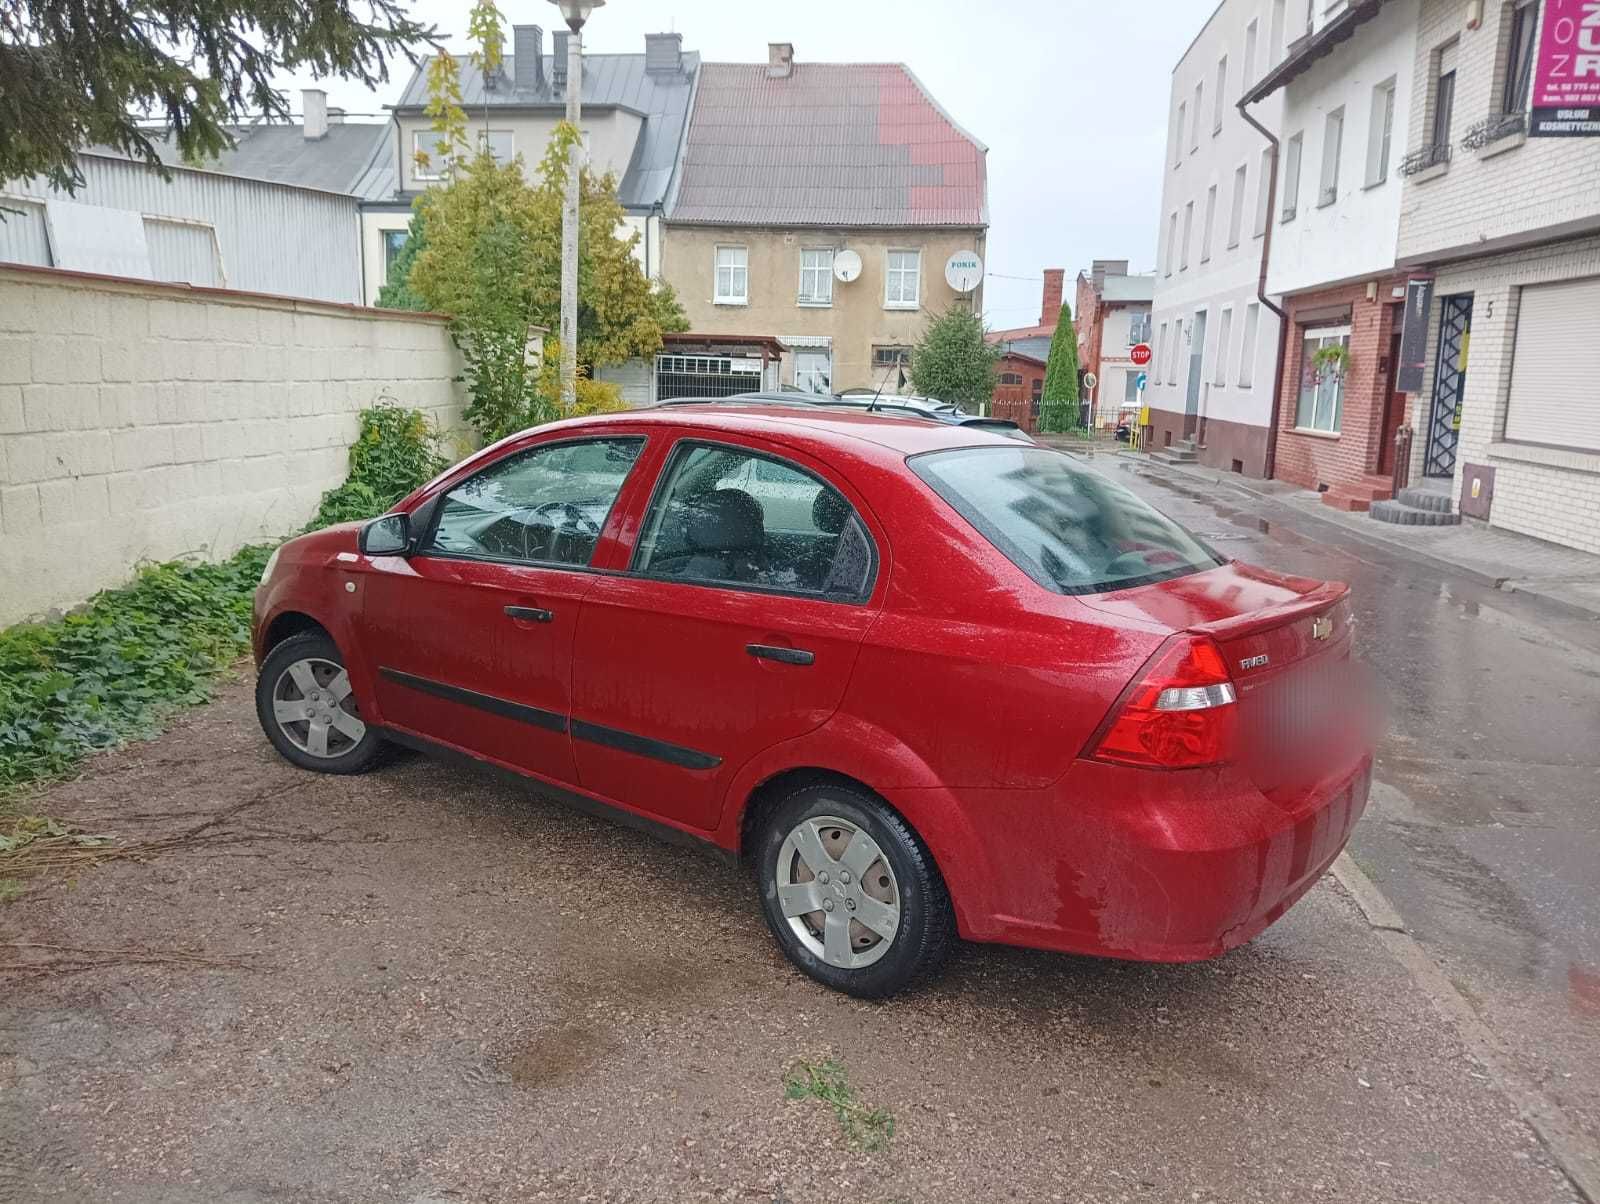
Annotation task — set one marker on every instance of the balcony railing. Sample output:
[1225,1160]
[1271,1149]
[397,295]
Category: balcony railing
[1428,156]
[1492,129]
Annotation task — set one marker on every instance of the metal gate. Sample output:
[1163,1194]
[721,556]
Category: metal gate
[1449,383]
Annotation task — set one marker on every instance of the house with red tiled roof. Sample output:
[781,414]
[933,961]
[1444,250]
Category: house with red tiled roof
[818,204]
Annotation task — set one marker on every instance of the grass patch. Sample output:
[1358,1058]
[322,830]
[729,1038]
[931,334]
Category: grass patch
[868,1129]
[114,669]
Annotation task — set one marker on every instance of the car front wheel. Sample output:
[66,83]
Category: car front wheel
[850,892]
[307,708]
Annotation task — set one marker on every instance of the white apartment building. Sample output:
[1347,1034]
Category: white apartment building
[1507,224]
[1215,344]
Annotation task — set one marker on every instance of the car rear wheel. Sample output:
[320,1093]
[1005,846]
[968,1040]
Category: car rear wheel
[850,892]
[307,708]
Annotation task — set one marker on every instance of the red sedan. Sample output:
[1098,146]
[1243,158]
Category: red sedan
[924,681]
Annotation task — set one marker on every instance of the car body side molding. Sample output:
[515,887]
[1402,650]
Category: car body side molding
[549,720]
[644,746]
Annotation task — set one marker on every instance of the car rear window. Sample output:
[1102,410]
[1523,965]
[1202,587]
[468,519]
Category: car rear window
[1066,526]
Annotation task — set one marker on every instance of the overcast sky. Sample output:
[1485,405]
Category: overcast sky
[1070,96]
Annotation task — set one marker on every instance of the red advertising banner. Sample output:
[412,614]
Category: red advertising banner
[1566,80]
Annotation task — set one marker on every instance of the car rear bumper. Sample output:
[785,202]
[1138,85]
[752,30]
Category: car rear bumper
[1182,867]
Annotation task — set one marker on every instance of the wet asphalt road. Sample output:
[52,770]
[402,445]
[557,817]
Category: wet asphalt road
[1484,828]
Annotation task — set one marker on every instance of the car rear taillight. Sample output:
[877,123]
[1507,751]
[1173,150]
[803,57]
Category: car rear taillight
[1181,711]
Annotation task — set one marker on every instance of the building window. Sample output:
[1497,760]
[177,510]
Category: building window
[1519,59]
[1172,239]
[1177,140]
[393,240]
[1291,175]
[1011,378]
[891,357]
[1444,97]
[1211,220]
[1199,108]
[1220,101]
[1130,387]
[1138,329]
[902,280]
[816,276]
[1249,74]
[1236,217]
[1036,392]
[1247,345]
[1263,193]
[1219,376]
[1188,233]
[1161,351]
[430,155]
[1321,403]
[733,276]
[1179,338]
[1380,133]
[1277,32]
[1332,149]
[813,369]
[501,144]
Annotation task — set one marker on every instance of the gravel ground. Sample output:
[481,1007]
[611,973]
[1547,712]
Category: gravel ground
[426,985]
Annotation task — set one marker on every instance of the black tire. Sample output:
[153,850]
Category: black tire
[926,927]
[345,755]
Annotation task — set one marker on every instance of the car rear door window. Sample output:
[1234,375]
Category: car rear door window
[730,516]
[1066,526]
[545,505]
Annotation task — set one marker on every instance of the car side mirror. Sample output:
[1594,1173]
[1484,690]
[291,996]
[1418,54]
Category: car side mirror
[386,536]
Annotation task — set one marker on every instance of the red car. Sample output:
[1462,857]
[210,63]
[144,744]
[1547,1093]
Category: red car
[924,680]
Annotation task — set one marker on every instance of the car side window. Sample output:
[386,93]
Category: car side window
[546,505]
[730,516]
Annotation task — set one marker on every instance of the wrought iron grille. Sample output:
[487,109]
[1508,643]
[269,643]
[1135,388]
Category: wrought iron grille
[1449,383]
[1492,129]
[1428,156]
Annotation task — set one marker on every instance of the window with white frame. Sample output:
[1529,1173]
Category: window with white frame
[1224,347]
[1177,140]
[1220,101]
[816,276]
[1247,345]
[1263,194]
[1199,108]
[813,369]
[1249,74]
[1172,239]
[1380,133]
[1332,150]
[733,276]
[1321,402]
[393,242]
[1188,233]
[501,144]
[1291,175]
[1236,217]
[1161,350]
[1138,328]
[890,356]
[430,155]
[1277,33]
[902,280]
[1211,221]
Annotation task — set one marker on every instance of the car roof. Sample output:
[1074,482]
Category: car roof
[836,425]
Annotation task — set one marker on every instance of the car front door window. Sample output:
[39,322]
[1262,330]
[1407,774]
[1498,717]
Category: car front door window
[546,505]
[729,516]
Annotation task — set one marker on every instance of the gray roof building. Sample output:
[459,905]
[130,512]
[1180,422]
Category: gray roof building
[656,86]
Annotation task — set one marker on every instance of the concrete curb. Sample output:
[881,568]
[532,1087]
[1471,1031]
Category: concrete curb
[1565,1141]
[1510,585]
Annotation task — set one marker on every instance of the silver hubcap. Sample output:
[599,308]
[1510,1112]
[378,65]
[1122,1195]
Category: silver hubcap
[838,892]
[314,708]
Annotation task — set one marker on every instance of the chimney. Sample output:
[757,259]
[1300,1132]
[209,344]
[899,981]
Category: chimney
[527,58]
[663,53]
[780,60]
[558,57]
[314,102]
[335,116]
[1050,306]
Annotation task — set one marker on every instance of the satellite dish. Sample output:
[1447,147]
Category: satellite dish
[846,266]
[963,271]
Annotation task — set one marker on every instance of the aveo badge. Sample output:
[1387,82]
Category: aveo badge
[1321,627]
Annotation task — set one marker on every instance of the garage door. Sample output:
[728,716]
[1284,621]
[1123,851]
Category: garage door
[1555,375]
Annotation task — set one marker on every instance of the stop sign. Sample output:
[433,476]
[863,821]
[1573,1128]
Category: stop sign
[1140,354]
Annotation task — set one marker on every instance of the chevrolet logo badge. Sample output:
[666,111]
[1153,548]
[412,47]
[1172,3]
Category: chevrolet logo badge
[1321,627]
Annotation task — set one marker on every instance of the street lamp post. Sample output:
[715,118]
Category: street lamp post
[576,14]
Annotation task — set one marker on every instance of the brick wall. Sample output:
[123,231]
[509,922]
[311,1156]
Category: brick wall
[1545,491]
[143,421]
[1312,460]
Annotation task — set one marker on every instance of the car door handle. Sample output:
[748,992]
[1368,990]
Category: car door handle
[785,656]
[530,614]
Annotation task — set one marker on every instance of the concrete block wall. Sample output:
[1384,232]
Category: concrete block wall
[1551,492]
[141,422]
